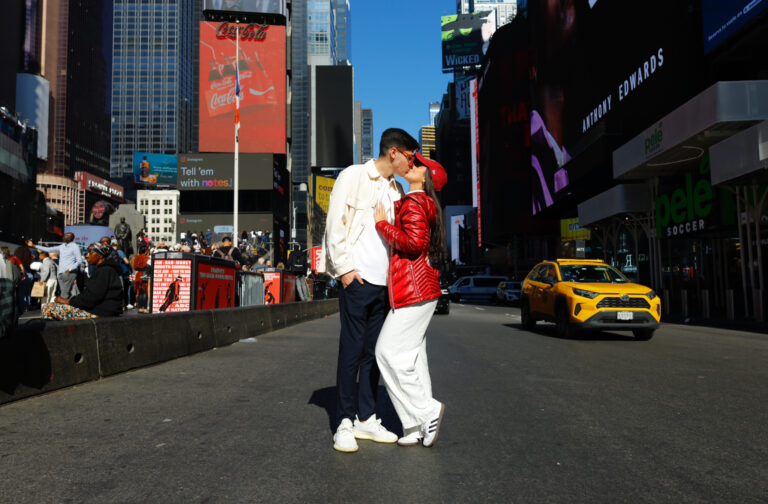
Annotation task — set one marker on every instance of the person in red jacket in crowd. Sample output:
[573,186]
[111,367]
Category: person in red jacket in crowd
[417,239]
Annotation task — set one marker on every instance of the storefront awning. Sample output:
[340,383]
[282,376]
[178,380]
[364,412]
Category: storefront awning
[683,136]
[618,200]
[741,157]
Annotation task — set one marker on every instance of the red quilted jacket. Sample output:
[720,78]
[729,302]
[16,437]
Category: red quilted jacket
[411,278]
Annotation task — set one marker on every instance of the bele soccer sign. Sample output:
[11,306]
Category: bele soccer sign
[261,62]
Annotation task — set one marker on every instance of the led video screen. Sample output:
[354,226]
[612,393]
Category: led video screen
[261,61]
[255,6]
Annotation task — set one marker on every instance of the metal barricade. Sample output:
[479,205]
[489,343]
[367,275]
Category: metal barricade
[250,288]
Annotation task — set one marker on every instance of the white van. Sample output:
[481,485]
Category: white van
[479,287]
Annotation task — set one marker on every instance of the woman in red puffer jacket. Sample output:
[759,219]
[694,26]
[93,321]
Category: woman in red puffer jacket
[417,239]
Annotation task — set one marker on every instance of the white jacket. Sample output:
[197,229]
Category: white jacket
[353,200]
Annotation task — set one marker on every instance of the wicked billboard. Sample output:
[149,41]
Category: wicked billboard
[261,63]
[465,38]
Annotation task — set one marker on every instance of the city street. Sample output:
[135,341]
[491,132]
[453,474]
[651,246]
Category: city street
[529,418]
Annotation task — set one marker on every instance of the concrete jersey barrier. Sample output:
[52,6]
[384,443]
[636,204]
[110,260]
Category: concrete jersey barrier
[43,356]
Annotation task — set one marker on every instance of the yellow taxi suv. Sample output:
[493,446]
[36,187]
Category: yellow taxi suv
[587,294]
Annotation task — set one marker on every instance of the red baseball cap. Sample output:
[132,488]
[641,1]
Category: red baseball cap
[439,177]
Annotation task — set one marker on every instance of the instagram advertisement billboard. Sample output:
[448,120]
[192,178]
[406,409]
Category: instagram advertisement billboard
[261,60]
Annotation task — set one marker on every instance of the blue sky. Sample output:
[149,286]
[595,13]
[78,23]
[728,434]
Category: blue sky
[397,55]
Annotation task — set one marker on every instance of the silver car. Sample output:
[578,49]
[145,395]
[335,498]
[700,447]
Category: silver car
[508,292]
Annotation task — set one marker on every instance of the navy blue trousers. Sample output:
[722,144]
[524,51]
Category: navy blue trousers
[363,308]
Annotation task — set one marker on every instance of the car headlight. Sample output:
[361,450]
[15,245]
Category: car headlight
[585,293]
[651,295]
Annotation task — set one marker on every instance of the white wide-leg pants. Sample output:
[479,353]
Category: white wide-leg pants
[401,353]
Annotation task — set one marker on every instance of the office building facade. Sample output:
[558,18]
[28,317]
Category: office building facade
[160,208]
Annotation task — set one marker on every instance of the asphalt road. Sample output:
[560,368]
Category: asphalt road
[529,418]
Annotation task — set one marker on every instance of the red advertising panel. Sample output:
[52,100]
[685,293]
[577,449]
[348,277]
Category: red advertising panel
[272,281]
[261,61]
[289,288]
[215,286]
[316,258]
[171,281]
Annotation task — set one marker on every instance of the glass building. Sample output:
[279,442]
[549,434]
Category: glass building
[152,80]
[343,28]
[321,32]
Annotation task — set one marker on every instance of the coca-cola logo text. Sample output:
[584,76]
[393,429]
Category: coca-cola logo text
[253,31]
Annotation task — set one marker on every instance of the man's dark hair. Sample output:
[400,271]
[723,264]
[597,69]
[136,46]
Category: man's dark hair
[395,137]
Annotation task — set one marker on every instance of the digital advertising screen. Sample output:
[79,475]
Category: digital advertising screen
[215,172]
[602,72]
[250,6]
[261,62]
[721,19]
[465,38]
[152,169]
[171,285]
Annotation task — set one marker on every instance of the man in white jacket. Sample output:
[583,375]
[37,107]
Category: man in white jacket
[354,253]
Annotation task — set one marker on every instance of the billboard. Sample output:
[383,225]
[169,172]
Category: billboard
[86,234]
[100,186]
[215,286]
[251,6]
[720,19]
[323,188]
[589,93]
[215,172]
[466,38]
[220,224]
[333,103]
[474,134]
[151,169]
[570,230]
[261,60]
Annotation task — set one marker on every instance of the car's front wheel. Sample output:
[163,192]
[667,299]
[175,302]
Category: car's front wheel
[562,320]
[643,334]
[526,320]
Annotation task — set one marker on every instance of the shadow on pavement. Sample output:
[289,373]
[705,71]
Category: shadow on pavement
[326,399]
[24,359]
[550,331]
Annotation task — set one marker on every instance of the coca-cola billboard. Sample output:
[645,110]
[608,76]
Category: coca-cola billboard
[261,60]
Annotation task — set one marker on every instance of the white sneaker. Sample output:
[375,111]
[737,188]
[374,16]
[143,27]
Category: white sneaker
[344,439]
[411,439]
[373,430]
[431,428]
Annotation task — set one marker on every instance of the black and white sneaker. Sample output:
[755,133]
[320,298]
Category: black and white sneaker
[431,428]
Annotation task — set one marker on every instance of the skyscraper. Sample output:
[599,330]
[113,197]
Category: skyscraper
[319,37]
[152,80]
[434,109]
[343,28]
[321,32]
[367,134]
[427,141]
[77,37]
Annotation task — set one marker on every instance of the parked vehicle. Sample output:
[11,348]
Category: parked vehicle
[509,292]
[443,303]
[590,295]
[475,288]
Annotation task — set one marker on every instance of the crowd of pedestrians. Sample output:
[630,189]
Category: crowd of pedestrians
[77,284]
